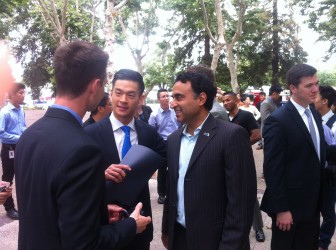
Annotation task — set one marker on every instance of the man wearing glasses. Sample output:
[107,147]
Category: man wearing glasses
[165,122]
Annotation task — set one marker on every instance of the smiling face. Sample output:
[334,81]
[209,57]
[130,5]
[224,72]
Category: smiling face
[306,91]
[125,100]
[187,107]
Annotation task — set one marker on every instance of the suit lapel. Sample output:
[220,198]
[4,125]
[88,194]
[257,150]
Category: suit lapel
[207,132]
[108,140]
[298,121]
[175,140]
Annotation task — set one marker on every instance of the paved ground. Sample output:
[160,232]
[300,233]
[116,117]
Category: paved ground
[9,228]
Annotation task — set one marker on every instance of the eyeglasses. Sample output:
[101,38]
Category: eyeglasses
[165,96]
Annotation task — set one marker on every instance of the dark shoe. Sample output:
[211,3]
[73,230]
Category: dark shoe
[260,236]
[13,214]
[161,200]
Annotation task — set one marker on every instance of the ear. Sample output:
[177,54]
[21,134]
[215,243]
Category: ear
[94,85]
[325,101]
[292,88]
[142,98]
[202,98]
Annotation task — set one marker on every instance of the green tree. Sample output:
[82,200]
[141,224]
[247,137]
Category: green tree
[327,78]
[41,33]
[321,18]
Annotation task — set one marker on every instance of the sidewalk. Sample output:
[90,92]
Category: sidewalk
[9,228]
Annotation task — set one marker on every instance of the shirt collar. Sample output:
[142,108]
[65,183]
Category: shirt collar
[197,130]
[11,106]
[69,110]
[162,110]
[116,124]
[327,116]
[299,108]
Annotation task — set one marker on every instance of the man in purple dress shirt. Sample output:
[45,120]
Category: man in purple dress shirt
[164,120]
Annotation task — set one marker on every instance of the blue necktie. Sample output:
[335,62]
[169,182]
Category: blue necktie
[311,128]
[127,140]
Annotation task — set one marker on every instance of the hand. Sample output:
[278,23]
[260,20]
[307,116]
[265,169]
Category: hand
[116,172]
[141,221]
[165,240]
[284,221]
[4,195]
[113,212]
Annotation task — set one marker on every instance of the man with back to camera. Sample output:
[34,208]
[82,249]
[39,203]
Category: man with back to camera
[127,93]
[325,98]
[207,207]
[103,109]
[165,122]
[294,159]
[12,125]
[60,180]
[271,103]
[249,123]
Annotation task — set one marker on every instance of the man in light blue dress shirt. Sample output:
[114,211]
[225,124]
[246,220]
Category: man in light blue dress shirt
[12,125]
[165,122]
[211,174]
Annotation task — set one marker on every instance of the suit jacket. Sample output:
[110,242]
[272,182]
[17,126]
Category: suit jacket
[60,189]
[219,187]
[219,111]
[146,112]
[102,133]
[266,108]
[292,168]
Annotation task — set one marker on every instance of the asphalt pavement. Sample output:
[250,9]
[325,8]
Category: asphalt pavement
[9,228]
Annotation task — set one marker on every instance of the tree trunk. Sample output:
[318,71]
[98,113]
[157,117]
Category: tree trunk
[275,50]
[206,59]
[232,68]
[109,37]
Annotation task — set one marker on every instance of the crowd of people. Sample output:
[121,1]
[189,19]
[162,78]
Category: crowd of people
[207,180]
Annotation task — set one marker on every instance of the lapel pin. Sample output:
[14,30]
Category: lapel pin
[206,134]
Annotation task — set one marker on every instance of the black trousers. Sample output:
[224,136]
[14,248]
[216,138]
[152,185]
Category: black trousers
[162,181]
[180,238]
[7,171]
[303,235]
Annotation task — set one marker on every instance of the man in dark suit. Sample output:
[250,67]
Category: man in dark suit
[60,180]
[294,158]
[127,90]
[211,174]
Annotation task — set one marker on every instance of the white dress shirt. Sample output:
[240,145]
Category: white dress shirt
[119,135]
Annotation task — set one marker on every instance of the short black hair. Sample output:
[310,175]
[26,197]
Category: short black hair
[102,103]
[131,75]
[262,93]
[16,87]
[199,83]
[275,89]
[329,93]
[204,70]
[230,93]
[160,91]
[295,73]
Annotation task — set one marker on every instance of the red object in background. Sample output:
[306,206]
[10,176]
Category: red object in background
[5,72]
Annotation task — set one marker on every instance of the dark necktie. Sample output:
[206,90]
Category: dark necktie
[127,140]
[311,128]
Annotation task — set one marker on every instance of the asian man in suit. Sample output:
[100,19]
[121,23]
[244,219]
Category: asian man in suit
[60,180]
[294,161]
[127,90]
[211,174]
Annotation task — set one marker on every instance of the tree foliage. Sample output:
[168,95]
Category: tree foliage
[321,18]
